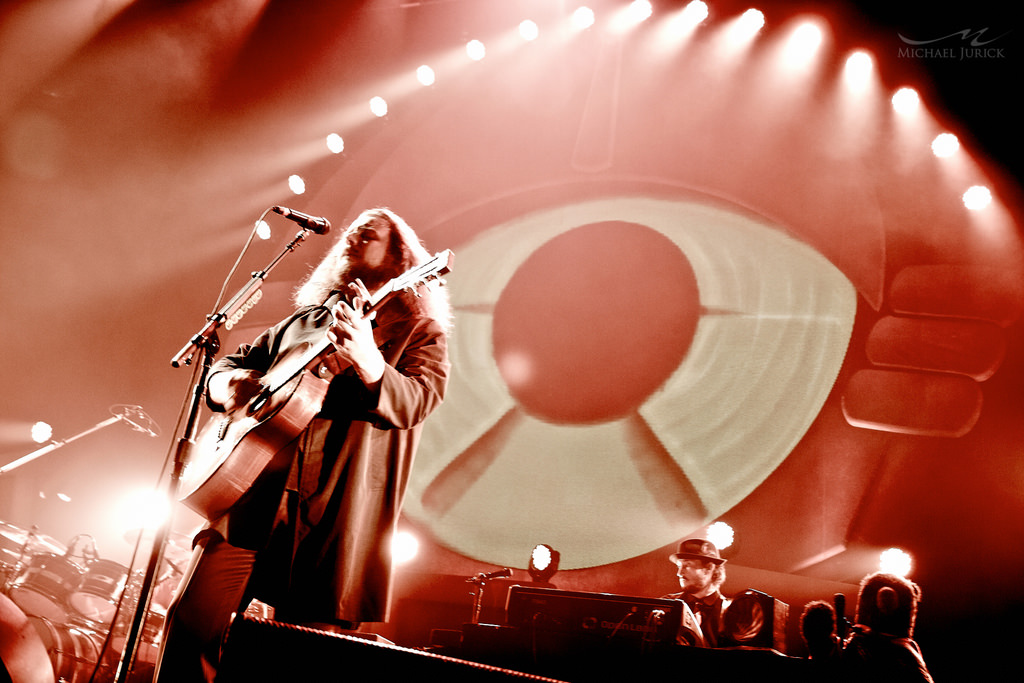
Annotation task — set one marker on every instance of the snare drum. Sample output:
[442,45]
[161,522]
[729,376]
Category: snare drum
[97,595]
[43,587]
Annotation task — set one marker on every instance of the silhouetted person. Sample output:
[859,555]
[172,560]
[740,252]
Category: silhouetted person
[881,648]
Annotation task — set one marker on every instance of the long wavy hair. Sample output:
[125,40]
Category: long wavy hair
[406,252]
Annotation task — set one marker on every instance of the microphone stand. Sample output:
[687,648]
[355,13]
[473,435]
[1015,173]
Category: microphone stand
[206,344]
[54,445]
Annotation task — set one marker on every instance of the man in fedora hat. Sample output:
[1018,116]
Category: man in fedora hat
[701,572]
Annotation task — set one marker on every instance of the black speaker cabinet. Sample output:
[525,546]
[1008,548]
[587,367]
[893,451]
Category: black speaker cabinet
[264,650]
[755,619]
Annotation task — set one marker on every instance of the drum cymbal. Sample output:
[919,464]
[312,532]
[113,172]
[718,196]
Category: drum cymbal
[15,540]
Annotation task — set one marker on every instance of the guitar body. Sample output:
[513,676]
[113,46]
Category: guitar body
[235,447]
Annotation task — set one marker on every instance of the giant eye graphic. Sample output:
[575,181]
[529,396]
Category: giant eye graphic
[623,368]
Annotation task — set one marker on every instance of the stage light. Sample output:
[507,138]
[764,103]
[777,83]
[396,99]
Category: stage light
[425,75]
[977,198]
[263,230]
[692,15]
[296,184]
[895,561]
[803,43]
[750,22]
[335,143]
[857,70]
[529,30]
[379,106]
[721,534]
[543,563]
[476,50]
[755,619]
[582,18]
[143,509]
[639,10]
[906,101]
[41,432]
[945,145]
[404,547]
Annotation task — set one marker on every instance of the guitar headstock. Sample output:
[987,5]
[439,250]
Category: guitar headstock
[433,269]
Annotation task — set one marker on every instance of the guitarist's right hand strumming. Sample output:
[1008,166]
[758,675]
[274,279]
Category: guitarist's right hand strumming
[233,389]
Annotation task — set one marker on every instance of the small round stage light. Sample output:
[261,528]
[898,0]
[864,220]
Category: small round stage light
[693,14]
[379,106]
[639,10]
[721,534]
[529,30]
[41,432]
[858,68]
[750,23]
[425,75]
[906,101]
[476,50]
[543,563]
[404,547]
[263,230]
[583,18]
[803,43]
[335,143]
[977,198]
[945,145]
[895,561]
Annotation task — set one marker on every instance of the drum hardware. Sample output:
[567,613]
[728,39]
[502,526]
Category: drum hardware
[43,586]
[17,545]
[80,604]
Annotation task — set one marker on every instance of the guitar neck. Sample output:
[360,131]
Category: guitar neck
[279,376]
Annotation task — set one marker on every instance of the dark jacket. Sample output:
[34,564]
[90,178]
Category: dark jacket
[323,513]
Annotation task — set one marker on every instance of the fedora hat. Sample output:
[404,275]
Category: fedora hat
[697,549]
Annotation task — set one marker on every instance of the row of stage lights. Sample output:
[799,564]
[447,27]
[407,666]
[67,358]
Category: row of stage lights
[151,509]
[802,46]
[543,560]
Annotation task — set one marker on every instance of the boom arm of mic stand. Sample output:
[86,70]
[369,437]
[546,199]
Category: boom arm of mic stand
[240,303]
[56,444]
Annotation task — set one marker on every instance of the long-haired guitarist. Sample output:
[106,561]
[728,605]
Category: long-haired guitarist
[310,534]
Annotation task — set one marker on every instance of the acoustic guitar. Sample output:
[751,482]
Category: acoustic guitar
[234,447]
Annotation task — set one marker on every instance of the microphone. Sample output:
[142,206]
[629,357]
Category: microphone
[317,224]
[842,625]
[137,418]
[501,573]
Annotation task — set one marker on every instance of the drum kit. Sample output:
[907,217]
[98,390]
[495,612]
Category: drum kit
[79,606]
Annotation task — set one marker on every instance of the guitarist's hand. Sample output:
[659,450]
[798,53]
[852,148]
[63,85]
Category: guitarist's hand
[234,388]
[352,336]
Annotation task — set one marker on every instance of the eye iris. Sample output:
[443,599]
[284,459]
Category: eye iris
[594,321]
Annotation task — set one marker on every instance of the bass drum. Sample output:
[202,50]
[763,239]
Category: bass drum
[74,653]
[22,652]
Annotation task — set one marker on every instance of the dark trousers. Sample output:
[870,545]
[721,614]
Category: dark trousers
[213,589]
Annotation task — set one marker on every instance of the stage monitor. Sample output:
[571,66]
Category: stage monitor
[596,616]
